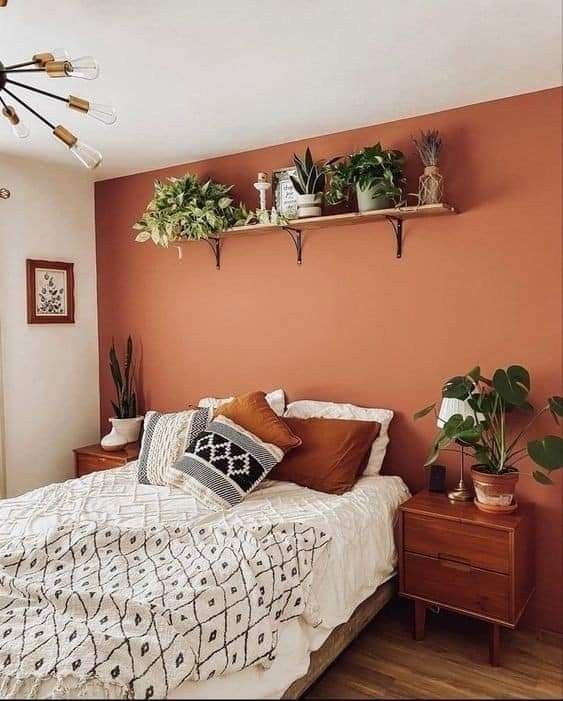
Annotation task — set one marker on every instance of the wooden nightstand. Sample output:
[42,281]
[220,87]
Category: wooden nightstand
[457,557]
[92,458]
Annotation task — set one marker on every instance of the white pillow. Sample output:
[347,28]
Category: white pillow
[275,399]
[308,408]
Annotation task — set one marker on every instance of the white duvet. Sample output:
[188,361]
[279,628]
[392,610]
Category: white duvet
[360,557]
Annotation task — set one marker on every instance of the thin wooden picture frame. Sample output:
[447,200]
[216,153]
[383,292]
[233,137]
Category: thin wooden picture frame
[281,194]
[52,300]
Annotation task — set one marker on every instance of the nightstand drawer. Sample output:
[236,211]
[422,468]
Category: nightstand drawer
[90,463]
[485,548]
[457,585]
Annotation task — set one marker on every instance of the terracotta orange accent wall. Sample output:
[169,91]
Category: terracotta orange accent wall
[353,323]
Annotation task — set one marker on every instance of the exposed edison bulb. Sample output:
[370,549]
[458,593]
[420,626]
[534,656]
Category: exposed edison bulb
[103,113]
[87,155]
[20,130]
[84,67]
[18,127]
[60,55]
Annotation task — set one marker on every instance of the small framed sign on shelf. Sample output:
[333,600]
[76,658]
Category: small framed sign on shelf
[285,197]
[50,292]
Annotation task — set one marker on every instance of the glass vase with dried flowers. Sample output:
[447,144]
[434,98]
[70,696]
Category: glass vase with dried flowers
[431,182]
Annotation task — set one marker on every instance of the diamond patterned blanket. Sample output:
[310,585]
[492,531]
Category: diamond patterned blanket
[138,611]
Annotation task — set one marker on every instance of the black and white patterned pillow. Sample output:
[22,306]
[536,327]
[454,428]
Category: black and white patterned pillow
[224,464]
[165,437]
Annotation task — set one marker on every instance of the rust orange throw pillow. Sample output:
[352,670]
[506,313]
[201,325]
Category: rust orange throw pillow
[252,412]
[332,455]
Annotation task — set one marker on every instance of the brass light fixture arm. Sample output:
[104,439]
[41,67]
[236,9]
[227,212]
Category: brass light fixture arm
[37,90]
[30,109]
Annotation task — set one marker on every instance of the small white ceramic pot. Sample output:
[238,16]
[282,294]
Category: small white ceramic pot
[309,205]
[113,440]
[368,201]
[129,428]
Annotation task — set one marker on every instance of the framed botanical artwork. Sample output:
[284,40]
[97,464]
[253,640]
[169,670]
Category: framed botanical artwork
[285,197]
[50,292]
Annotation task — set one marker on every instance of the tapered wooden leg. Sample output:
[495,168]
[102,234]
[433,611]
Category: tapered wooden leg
[494,644]
[419,619]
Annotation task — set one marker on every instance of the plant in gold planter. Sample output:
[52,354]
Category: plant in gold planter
[486,433]
[431,182]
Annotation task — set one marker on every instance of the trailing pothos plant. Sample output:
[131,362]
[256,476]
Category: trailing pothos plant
[124,380]
[185,208]
[373,168]
[497,448]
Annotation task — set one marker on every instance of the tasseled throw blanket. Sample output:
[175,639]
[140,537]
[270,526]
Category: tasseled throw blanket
[138,611]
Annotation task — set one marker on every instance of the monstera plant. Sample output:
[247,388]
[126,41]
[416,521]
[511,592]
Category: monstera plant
[185,208]
[484,428]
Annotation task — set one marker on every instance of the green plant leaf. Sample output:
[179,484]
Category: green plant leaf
[143,236]
[299,189]
[542,478]
[556,407]
[423,412]
[513,384]
[308,159]
[475,374]
[459,387]
[547,452]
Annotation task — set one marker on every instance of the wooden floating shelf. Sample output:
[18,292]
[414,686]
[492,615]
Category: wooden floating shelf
[295,227]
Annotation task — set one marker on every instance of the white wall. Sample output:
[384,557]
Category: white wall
[49,372]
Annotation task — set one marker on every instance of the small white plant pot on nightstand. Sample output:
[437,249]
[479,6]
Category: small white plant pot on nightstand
[113,440]
[128,428]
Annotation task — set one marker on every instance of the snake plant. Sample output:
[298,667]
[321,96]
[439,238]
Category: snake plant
[126,405]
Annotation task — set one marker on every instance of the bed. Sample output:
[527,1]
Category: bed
[360,524]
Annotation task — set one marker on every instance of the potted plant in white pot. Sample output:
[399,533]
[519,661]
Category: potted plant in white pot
[309,183]
[375,175]
[126,424]
[496,403]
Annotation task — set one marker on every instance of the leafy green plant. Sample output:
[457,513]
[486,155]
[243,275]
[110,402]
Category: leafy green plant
[185,208]
[373,168]
[496,448]
[126,405]
[310,177]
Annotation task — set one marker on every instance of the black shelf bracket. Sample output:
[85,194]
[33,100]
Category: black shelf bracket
[215,245]
[297,238]
[397,225]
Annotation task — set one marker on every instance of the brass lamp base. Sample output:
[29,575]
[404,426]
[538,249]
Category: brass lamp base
[460,493]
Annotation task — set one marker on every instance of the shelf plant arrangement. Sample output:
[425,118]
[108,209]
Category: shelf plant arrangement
[431,183]
[185,208]
[375,175]
[486,432]
[309,182]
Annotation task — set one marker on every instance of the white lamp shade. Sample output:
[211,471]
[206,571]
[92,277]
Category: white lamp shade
[449,407]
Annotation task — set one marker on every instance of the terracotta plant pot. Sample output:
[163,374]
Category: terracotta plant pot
[495,493]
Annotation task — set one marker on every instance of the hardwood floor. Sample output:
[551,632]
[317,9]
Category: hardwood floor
[384,662]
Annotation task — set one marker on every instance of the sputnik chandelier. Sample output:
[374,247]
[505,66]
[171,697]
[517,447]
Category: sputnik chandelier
[54,64]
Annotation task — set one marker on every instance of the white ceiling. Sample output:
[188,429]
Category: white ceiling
[198,78]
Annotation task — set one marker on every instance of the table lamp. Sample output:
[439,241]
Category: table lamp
[448,408]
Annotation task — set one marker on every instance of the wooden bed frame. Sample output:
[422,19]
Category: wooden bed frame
[341,637]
